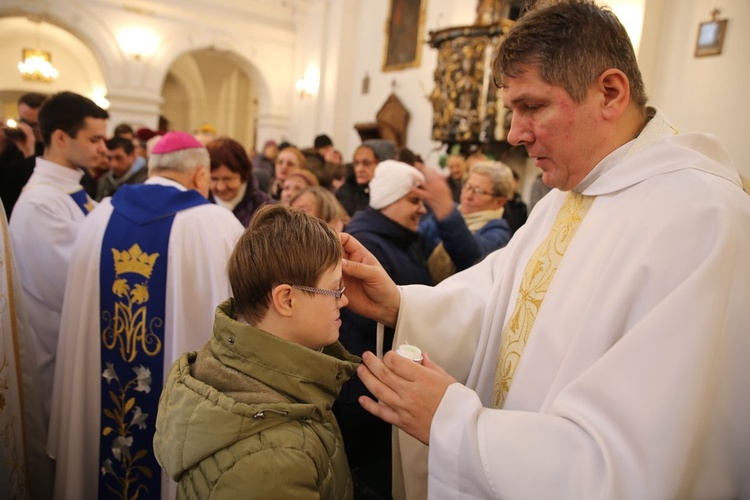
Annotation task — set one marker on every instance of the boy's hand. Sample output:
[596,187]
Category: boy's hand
[371,292]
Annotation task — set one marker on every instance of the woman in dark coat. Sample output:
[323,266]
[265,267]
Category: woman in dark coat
[233,185]
[388,229]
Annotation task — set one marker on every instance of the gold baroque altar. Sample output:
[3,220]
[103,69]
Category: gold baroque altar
[465,101]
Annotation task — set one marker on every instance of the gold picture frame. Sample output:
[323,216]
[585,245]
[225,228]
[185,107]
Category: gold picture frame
[710,40]
[403,34]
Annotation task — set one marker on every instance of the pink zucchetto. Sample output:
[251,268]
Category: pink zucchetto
[175,141]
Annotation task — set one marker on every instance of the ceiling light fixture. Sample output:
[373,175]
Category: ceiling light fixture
[36,64]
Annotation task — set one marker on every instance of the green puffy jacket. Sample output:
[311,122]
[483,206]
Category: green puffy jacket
[249,416]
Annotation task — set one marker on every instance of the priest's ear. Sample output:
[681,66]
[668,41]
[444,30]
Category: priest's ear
[615,90]
[202,180]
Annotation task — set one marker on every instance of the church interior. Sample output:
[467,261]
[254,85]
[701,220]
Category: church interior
[289,70]
[151,237]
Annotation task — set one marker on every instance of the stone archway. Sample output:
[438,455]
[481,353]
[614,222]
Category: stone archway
[208,86]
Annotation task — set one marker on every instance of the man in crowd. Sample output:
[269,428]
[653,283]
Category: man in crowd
[148,271]
[49,213]
[124,167]
[323,146]
[354,194]
[602,353]
[18,152]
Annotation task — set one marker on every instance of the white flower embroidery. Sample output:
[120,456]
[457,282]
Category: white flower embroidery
[121,447]
[139,418]
[144,379]
[107,468]
[109,373]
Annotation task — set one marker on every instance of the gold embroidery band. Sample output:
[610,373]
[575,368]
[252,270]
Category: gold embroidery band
[536,279]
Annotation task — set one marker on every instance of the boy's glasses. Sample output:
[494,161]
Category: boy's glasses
[322,291]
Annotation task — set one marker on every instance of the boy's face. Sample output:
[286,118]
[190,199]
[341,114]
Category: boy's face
[318,316]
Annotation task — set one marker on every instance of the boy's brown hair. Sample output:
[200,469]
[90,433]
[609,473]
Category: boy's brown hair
[281,245]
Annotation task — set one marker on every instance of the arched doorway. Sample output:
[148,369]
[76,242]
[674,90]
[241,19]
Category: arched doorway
[211,87]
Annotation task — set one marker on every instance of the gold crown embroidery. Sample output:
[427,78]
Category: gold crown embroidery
[134,260]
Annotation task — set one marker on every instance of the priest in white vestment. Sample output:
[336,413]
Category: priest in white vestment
[25,469]
[148,271]
[48,214]
[602,353]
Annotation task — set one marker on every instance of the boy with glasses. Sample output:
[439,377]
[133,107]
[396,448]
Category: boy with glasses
[250,414]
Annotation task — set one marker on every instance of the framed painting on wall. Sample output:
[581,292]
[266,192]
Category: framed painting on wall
[710,37]
[403,34]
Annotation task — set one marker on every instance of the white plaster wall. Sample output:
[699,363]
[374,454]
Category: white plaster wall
[705,94]
[411,85]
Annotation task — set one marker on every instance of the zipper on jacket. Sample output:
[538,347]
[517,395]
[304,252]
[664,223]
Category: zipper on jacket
[262,413]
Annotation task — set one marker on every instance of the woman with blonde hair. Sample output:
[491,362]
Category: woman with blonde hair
[287,161]
[296,182]
[321,203]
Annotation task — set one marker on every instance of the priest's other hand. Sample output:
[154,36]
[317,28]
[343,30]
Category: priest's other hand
[408,393]
[371,292]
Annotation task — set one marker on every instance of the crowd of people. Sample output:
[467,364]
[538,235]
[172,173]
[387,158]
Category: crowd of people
[194,320]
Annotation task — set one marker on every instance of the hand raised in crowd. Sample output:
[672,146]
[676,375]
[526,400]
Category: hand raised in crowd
[25,142]
[409,393]
[28,145]
[371,292]
[435,191]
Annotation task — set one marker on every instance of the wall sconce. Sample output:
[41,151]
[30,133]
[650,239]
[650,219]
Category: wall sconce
[308,86]
[138,42]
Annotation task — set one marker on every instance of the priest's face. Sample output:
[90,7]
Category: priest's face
[561,135]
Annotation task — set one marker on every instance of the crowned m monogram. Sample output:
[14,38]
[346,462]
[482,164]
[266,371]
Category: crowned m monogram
[127,327]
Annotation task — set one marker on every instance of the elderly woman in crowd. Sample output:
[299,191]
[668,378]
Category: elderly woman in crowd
[296,182]
[457,236]
[321,203]
[289,159]
[233,185]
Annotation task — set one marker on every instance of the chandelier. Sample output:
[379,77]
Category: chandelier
[36,64]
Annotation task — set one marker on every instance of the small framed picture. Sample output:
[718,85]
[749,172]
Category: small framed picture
[710,38]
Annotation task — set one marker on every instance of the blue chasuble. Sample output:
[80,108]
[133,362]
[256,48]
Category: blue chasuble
[83,201]
[132,288]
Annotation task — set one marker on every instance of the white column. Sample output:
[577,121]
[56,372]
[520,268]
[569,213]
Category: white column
[136,108]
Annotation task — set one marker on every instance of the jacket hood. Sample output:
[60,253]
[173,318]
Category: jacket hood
[370,220]
[686,151]
[263,381]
